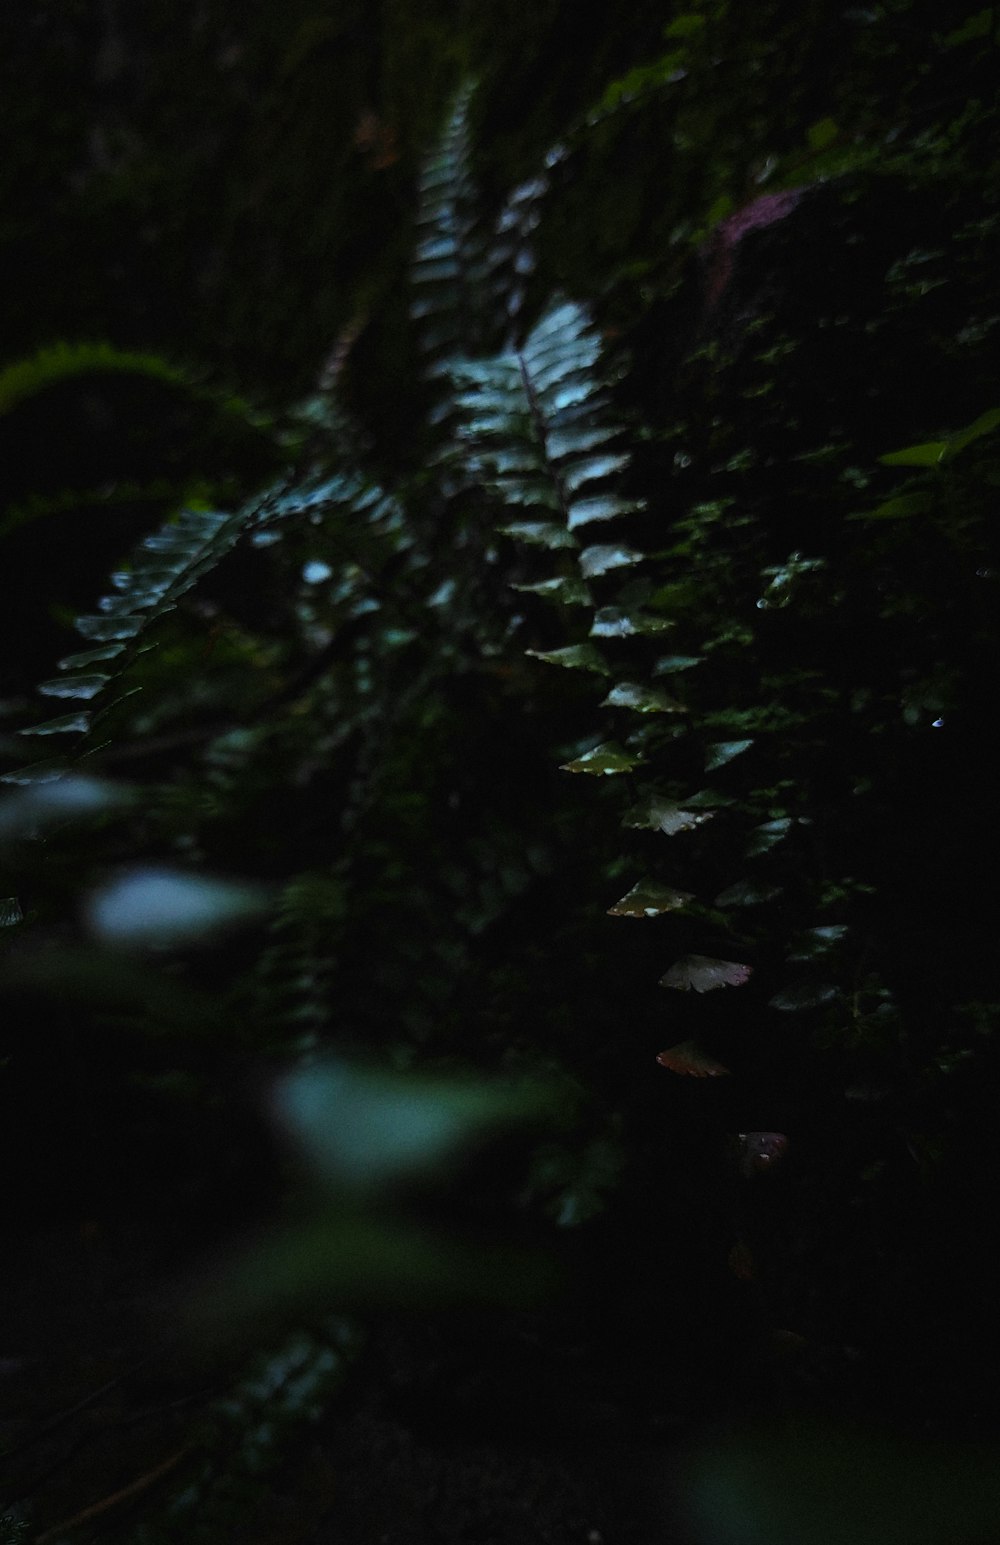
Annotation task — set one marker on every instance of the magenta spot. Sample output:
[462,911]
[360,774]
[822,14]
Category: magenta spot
[766,210]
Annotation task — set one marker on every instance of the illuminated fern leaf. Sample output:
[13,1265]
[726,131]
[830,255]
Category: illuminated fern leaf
[534,424]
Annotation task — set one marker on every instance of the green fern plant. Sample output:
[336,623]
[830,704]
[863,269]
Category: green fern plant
[633,604]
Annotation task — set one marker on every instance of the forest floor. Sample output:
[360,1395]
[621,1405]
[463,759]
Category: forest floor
[448,1429]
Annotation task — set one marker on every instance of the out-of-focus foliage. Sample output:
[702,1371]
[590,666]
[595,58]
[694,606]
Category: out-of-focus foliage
[826,1485]
[650,436]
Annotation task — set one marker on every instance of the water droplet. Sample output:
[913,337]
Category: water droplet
[682,459]
[316,571]
[938,724]
[762,605]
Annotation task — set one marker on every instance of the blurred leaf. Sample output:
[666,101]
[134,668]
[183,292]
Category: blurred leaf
[979,25]
[804,995]
[603,760]
[667,664]
[585,512]
[745,893]
[577,657]
[565,588]
[364,1129]
[648,899]
[724,751]
[932,453]
[50,771]
[612,622]
[60,799]
[928,454]
[813,943]
[574,1183]
[339,1259]
[66,724]
[167,908]
[985,424]
[88,657]
[814,1485]
[820,135]
[899,508]
[688,1058]
[94,978]
[83,686]
[667,816]
[768,835]
[685,26]
[539,533]
[595,561]
[704,973]
[628,694]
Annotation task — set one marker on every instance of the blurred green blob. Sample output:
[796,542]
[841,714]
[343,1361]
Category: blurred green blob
[340,1259]
[362,1130]
[165,908]
[822,1485]
[89,978]
[47,803]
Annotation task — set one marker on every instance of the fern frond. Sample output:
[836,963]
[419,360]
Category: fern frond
[454,289]
[534,425]
[162,569]
[60,362]
[361,524]
[512,251]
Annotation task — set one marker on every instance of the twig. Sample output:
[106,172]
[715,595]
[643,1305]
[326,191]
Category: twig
[132,1489]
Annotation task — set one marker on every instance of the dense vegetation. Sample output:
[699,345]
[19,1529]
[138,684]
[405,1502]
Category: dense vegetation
[514,602]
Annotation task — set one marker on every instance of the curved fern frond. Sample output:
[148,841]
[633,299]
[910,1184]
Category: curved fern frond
[170,562]
[451,265]
[60,362]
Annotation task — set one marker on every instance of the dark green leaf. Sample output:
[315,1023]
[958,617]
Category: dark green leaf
[667,816]
[649,899]
[603,760]
[595,561]
[613,622]
[723,751]
[579,657]
[628,694]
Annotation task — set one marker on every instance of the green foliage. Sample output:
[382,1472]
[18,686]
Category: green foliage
[327,722]
[61,362]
